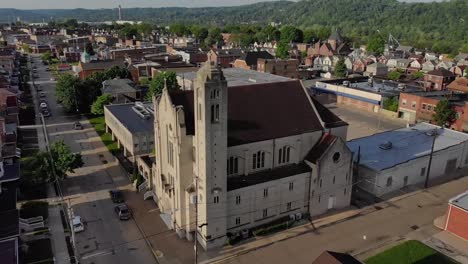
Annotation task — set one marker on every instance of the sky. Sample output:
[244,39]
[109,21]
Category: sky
[93,4]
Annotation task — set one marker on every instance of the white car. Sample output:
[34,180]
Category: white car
[77,224]
[43,105]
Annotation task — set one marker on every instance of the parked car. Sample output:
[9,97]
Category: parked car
[122,212]
[77,224]
[42,94]
[46,113]
[116,196]
[52,79]
[77,126]
[43,105]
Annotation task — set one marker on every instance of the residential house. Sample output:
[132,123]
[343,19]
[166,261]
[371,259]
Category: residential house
[241,161]
[249,59]
[281,67]
[438,79]
[459,70]
[376,69]
[224,57]
[122,90]
[445,65]
[428,65]
[395,159]
[460,85]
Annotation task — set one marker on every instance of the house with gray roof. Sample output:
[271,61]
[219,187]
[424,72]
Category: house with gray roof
[122,90]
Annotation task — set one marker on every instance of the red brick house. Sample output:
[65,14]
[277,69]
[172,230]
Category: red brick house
[88,68]
[438,79]
[249,59]
[420,106]
[457,216]
[224,57]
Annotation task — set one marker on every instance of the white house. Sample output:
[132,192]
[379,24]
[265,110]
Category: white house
[394,159]
[243,156]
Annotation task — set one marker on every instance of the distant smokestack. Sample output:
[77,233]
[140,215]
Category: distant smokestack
[120,12]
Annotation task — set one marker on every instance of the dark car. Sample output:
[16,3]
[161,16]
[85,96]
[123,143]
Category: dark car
[46,113]
[77,126]
[116,196]
[122,212]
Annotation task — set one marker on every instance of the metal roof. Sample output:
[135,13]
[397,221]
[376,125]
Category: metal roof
[130,119]
[407,144]
[460,200]
[240,77]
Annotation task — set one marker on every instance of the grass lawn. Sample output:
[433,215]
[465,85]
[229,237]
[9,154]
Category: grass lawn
[410,252]
[99,124]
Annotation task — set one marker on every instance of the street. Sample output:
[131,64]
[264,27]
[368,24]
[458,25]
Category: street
[106,239]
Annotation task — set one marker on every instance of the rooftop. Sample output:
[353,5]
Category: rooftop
[9,251]
[130,119]
[460,84]
[258,112]
[237,182]
[101,64]
[441,72]
[406,144]
[10,224]
[12,172]
[118,86]
[239,77]
[460,200]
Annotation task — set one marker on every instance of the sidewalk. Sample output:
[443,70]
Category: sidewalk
[59,245]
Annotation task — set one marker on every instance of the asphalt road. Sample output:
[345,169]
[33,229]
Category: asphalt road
[106,239]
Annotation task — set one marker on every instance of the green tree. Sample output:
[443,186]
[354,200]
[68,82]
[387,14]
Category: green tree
[98,106]
[391,103]
[291,34]
[417,75]
[129,32]
[200,33]
[214,36]
[282,50]
[310,36]
[156,85]
[65,161]
[179,29]
[376,44]
[66,91]
[47,56]
[144,29]
[444,113]
[394,75]
[35,169]
[340,68]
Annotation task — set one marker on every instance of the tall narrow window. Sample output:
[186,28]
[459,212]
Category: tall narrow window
[238,221]
[232,165]
[212,114]
[291,186]
[320,183]
[217,113]
[283,156]
[265,213]
[216,199]
[258,160]
[238,199]
[288,206]
[265,192]
[333,179]
[389,181]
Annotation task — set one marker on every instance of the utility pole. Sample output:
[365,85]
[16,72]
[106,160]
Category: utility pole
[426,183]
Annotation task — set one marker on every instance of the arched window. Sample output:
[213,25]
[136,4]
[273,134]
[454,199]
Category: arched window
[284,154]
[389,181]
[215,113]
[258,160]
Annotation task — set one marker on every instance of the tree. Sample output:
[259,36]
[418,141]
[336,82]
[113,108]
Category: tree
[144,29]
[340,68]
[179,29]
[156,85]
[214,36]
[291,34]
[444,113]
[89,49]
[310,36]
[282,50]
[47,56]
[98,106]
[26,48]
[417,75]
[391,103]
[394,75]
[129,32]
[39,169]
[66,91]
[376,44]
[200,33]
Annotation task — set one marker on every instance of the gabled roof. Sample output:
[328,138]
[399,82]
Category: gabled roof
[260,111]
[460,84]
[101,64]
[335,36]
[441,72]
[328,117]
[251,57]
[320,148]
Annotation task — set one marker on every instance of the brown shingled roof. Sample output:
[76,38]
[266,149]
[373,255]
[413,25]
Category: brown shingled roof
[260,111]
[460,84]
[441,72]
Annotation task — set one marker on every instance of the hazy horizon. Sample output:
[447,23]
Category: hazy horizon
[93,4]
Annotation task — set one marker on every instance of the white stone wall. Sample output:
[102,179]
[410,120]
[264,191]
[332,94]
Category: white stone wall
[253,201]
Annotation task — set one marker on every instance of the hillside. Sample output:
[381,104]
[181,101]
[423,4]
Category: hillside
[421,24]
